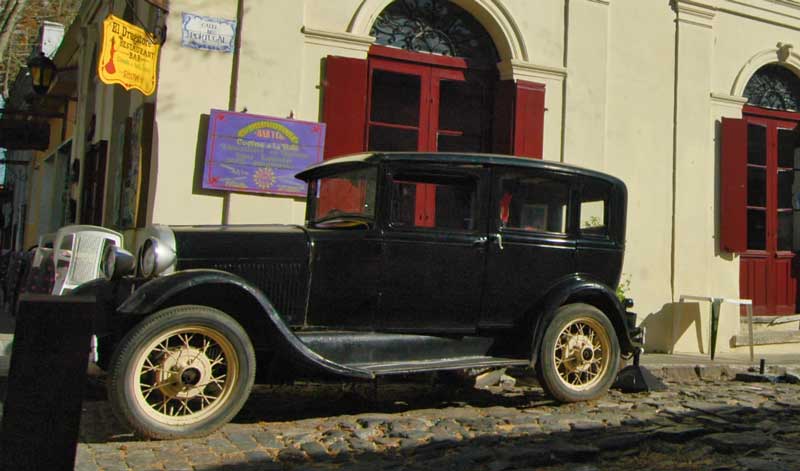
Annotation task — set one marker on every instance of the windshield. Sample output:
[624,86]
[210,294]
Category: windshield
[346,196]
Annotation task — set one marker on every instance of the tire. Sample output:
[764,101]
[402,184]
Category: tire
[182,372]
[579,354]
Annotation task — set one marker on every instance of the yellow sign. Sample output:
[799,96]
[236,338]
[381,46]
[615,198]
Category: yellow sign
[129,57]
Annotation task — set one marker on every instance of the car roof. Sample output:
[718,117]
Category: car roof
[373,158]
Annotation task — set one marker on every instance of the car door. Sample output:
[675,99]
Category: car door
[530,242]
[433,249]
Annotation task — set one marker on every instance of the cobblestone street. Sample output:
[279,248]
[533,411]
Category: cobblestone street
[696,424]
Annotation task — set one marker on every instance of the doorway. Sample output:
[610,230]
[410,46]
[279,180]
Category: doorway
[768,268]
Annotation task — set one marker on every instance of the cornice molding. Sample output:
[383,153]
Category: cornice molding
[337,39]
[727,106]
[516,69]
[725,99]
[696,12]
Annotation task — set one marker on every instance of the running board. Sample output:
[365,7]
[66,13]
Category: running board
[397,368]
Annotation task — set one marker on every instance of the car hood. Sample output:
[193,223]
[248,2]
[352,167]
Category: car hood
[240,242]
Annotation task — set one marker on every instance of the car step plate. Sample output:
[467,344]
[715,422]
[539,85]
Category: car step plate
[393,368]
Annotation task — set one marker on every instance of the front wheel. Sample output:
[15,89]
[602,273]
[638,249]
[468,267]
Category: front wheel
[579,354]
[183,372]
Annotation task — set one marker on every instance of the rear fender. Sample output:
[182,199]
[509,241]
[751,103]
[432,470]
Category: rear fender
[581,290]
[190,286]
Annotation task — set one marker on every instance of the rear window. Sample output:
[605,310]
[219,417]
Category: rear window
[533,203]
[594,209]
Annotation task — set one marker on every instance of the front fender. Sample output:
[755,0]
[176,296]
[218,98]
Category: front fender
[583,290]
[150,296]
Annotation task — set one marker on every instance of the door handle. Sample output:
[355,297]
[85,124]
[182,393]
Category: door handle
[480,242]
[499,238]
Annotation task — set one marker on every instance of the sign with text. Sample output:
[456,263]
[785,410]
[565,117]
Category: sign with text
[129,56]
[260,154]
[206,33]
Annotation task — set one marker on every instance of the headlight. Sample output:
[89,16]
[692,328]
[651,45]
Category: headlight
[116,262]
[147,259]
[154,258]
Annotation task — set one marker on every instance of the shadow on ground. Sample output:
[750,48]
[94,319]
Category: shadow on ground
[723,426]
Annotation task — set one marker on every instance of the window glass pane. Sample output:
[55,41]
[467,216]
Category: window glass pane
[785,182]
[785,230]
[756,229]
[786,146]
[392,139]
[594,209]
[346,194]
[458,143]
[756,186]
[533,203]
[756,144]
[395,98]
[434,202]
[460,106]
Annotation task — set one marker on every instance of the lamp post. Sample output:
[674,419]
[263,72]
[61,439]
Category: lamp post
[42,71]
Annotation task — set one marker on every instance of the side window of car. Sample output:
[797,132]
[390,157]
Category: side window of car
[533,202]
[594,209]
[434,202]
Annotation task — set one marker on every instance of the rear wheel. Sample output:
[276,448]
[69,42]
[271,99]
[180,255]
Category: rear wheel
[182,372]
[579,354]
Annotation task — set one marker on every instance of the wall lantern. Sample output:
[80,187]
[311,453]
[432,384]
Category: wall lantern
[43,71]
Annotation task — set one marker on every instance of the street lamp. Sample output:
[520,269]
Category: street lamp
[43,71]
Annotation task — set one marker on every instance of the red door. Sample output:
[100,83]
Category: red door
[425,107]
[767,274]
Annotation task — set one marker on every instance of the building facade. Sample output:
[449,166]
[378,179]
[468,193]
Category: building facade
[693,103]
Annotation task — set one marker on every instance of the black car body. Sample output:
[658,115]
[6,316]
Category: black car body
[407,263]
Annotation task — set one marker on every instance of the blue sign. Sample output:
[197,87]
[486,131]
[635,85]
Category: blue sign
[260,154]
[209,34]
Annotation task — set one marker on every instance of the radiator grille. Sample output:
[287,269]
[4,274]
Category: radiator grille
[86,257]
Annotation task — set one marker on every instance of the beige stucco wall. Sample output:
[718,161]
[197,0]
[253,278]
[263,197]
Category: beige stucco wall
[635,88]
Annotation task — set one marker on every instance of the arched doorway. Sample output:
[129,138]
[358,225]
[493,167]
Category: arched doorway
[762,148]
[429,83]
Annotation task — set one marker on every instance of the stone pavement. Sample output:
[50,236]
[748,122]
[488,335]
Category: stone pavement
[708,422]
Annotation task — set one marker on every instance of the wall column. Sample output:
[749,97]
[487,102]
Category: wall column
[585,99]
[693,243]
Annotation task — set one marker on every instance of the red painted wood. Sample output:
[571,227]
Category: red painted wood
[417,57]
[775,114]
[529,120]
[733,183]
[766,276]
[344,105]
[785,286]
[519,119]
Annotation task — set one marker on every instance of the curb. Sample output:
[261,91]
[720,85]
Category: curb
[687,373]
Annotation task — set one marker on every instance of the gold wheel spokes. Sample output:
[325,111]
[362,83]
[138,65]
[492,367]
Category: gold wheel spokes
[184,375]
[581,353]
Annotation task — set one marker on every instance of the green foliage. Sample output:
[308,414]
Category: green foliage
[593,221]
[624,287]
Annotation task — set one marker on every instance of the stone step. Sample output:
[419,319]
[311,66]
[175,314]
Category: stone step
[767,337]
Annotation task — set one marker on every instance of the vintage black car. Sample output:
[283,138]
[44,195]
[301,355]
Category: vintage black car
[407,263]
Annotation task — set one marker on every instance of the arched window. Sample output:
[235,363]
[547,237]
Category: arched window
[435,26]
[774,87]
[430,83]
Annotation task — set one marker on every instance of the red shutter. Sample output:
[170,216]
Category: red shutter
[519,118]
[344,105]
[733,184]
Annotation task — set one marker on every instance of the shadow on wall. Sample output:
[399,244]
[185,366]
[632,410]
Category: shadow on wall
[664,334]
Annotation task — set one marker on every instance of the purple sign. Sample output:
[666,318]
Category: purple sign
[260,154]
